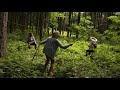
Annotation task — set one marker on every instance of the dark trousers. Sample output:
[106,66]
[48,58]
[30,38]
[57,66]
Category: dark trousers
[49,59]
[34,44]
[88,52]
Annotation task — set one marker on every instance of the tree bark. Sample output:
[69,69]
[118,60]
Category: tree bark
[70,13]
[78,21]
[3,33]
[41,24]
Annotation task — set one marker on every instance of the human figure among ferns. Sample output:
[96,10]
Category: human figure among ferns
[92,46]
[31,40]
[51,46]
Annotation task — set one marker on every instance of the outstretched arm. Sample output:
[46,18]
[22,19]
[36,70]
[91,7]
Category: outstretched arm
[64,47]
[43,42]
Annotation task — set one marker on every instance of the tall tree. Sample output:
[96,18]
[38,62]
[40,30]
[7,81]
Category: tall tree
[68,31]
[3,32]
[93,18]
[104,22]
[59,24]
[41,23]
[78,21]
[46,20]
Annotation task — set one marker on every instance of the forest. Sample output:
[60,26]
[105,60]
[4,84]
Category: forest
[18,61]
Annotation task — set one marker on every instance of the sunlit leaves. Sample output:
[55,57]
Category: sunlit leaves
[115,21]
[85,21]
[54,18]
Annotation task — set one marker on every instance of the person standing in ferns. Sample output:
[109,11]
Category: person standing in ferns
[31,40]
[51,46]
[92,46]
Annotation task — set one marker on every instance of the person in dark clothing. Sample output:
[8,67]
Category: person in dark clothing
[31,41]
[51,46]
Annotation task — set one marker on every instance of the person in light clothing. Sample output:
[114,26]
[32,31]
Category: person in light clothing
[92,46]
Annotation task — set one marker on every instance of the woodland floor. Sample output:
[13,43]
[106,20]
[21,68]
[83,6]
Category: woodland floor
[69,63]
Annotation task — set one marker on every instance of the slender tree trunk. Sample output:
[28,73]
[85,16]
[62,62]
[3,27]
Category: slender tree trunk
[92,14]
[25,22]
[3,33]
[78,21]
[95,13]
[99,19]
[30,24]
[9,23]
[38,22]
[33,16]
[63,26]
[69,23]
[41,24]
[52,30]
[48,31]
[109,21]
[46,21]
[60,24]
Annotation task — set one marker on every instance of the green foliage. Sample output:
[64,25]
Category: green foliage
[85,21]
[111,37]
[69,63]
[54,18]
[19,36]
[85,28]
[115,22]
[75,27]
[113,33]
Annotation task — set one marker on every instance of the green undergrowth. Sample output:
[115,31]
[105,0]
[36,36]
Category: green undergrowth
[69,63]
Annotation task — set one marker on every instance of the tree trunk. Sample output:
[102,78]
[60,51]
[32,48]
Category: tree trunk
[52,30]
[109,21]
[48,31]
[30,19]
[59,24]
[41,24]
[46,21]
[99,16]
[71,22]
[37,23]
[26,22]
[92,14]
[63,26]
[70,13]
[9,23]
[64,23]
[78,21]
[3,33]
[104,23]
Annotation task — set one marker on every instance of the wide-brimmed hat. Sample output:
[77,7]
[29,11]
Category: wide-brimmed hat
[93,39]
